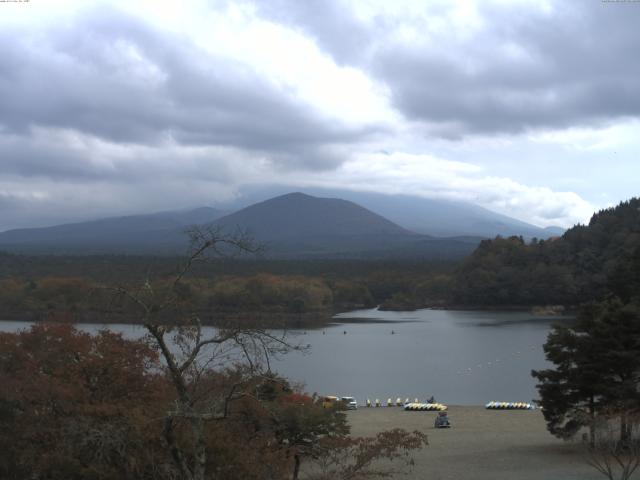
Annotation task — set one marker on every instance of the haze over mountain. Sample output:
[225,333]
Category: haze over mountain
[291,225]
[434,217]
[301,225]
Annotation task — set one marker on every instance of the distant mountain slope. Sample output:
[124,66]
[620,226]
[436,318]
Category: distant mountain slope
[435,217]
[296,215]
[300,225]
[290,226]
[554,231]
[163,230]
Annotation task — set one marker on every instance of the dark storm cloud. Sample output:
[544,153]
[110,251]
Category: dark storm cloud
[523,68]
[110,75]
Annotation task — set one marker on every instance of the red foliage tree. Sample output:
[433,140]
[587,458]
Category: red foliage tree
[73,405]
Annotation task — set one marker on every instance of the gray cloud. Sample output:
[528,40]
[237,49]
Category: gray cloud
[110,75]
[523,67]
[329,23]
[103,113]
[571,70]
[60,155]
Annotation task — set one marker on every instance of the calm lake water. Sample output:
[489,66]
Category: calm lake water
[459,357]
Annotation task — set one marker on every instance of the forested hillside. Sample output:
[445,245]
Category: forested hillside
[69,286]
[586,263]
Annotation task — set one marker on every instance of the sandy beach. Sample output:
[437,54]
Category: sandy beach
[483,444]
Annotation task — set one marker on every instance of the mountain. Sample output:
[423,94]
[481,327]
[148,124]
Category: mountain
[446,218]
[161,231]
[434,217]
[294,225]
[301,225]
[296,215]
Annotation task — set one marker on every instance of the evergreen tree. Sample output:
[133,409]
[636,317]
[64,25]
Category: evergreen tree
[597,369]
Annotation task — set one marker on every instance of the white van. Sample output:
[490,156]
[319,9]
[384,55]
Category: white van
[350,403]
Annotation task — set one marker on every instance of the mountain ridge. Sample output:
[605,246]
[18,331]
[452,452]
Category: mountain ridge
[293,225]
[427,216]
[296,209]
[120,231]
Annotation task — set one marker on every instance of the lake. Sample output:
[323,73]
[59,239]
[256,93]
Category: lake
[459,357]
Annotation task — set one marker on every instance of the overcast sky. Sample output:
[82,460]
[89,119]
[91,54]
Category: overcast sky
[528,108]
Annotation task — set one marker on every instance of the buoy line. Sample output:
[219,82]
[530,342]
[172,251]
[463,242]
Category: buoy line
[495,362]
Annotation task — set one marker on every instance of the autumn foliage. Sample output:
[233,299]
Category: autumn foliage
[75,405]
[80,406]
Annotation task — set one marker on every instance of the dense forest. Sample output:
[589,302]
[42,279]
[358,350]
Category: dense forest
[71,287]
[587,262]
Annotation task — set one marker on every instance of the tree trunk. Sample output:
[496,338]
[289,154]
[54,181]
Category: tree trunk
[625,431]
[296,466]
[200,449]
[592,423]
[175,451]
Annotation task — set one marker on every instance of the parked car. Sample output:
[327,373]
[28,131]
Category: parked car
[442,420]
[349,402]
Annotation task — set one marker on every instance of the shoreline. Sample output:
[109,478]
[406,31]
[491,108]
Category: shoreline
[287,320]
[540,310]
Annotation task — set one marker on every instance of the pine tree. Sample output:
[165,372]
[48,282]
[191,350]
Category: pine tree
[597,369]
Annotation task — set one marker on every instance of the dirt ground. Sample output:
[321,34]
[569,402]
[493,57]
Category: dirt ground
[483,444]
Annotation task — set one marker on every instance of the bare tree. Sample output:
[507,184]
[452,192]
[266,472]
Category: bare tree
[191,352]
[614,447]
